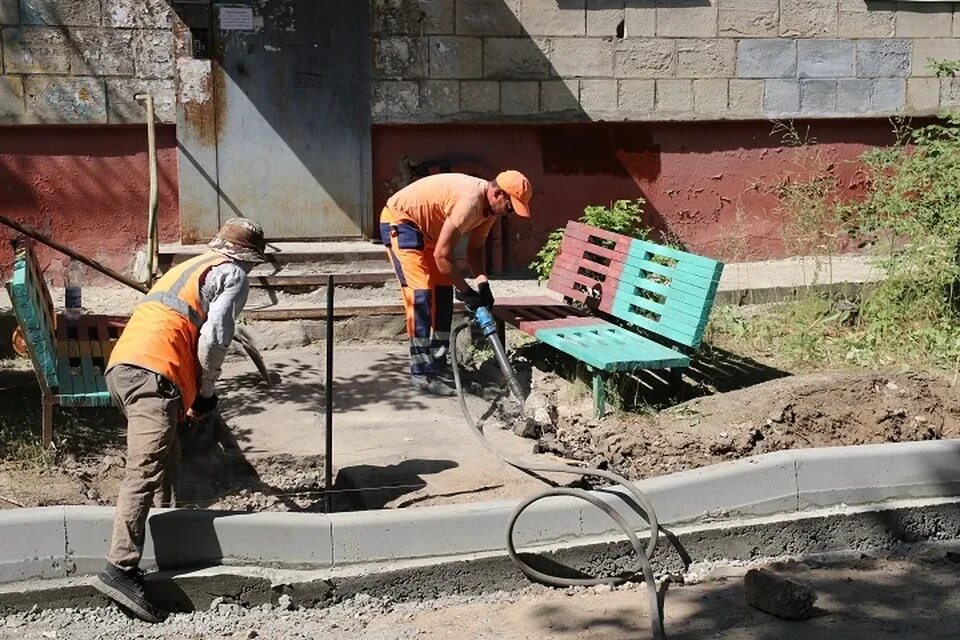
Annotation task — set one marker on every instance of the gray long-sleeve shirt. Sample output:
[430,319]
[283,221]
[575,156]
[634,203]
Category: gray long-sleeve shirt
[223,295]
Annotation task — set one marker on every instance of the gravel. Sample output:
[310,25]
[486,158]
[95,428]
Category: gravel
[347,619]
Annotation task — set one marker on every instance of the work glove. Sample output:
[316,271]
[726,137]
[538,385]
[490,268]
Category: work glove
[471,298]
[486,294]
[202,406]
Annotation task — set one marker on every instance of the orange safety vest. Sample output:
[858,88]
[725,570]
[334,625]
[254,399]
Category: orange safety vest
[164,330]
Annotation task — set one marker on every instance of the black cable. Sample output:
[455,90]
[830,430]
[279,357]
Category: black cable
[643,554]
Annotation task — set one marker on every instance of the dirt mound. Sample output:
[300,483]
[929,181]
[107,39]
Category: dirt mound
[814,410]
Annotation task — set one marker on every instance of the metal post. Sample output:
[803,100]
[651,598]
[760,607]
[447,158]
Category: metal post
[328,456]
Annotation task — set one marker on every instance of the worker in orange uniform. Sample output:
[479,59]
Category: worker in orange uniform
[421,226]
[163,369]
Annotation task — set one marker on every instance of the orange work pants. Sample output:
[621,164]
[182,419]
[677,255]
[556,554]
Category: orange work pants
[427,293]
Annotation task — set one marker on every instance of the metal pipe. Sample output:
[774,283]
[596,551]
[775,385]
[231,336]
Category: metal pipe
[93,264]
[328,455]
[153,248]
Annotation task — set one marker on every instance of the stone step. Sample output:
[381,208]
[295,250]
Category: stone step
[298,257]
[304,266]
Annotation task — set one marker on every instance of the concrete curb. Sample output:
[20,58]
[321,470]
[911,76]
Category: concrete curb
[923,528]
[52,542]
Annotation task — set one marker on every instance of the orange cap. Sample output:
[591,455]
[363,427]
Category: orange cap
[518,188]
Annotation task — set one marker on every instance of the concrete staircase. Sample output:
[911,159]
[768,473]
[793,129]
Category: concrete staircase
[292,286]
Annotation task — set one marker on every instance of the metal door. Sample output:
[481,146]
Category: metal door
[292,132]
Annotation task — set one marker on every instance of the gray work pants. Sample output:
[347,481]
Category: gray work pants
[151,404]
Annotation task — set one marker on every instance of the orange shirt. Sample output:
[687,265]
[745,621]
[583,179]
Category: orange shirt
[429,201]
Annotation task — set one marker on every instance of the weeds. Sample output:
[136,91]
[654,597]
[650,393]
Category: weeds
[623,216]
[910,216]
[20,444]
[808,196]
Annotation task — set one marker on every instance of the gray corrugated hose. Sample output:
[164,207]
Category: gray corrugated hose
[643,554]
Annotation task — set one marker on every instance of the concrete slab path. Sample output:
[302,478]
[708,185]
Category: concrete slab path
[385,433]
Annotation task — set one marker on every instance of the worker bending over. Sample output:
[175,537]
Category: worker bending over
[163,369]
[421,226]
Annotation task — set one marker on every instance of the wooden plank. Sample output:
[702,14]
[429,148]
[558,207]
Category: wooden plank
[86,357]
[39,285]
[677,254]
[641,353]
[106,343]
[316,313]
[319,280]
[683,337]
[65,376]
[579,247]
[583,231]
[698,263]
[667,314]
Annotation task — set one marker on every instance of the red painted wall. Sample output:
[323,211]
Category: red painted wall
[86,187]
[709,184]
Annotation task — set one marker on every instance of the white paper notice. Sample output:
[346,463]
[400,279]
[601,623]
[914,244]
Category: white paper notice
[236,18]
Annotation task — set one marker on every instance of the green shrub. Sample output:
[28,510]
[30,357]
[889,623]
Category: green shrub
[912,213]
[623,216]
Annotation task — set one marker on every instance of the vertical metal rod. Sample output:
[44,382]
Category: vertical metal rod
[328,456]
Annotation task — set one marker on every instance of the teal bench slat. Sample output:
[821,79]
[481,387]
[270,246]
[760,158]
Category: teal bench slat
[93,399]
[633,352]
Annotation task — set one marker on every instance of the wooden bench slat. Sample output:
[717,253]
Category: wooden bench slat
[86,357]
[684,257]
[642,250]
[37,331]
[65,375]
[636,352]
[583,231]
[106,344]
[94,399]
[96,351]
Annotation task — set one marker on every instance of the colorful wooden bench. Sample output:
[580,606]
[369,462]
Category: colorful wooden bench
[657,299]
[69,354]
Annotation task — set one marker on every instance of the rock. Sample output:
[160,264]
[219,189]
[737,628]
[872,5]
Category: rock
[526,428]
[285,602]
[778,596]
[252,634]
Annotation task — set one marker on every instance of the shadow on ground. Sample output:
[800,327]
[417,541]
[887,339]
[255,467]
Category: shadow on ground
[78,431]
[712,370]
[299,384]
[375,486]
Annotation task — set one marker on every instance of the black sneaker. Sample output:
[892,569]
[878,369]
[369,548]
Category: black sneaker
[432,385]
[125,587]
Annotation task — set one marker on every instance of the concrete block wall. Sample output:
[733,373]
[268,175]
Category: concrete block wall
[562,60]
[83,61]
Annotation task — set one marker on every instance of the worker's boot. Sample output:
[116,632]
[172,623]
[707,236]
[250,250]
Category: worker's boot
[125,587]
[432,385]
[444,371]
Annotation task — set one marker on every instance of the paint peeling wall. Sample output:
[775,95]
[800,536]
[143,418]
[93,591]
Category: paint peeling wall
[86,187]
[715,193]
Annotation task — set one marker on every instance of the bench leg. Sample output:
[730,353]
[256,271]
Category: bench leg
[676,381]
[599,393]
[46,437]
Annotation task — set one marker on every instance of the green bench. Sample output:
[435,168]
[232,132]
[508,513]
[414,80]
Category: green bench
[646,305]
[69,354]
